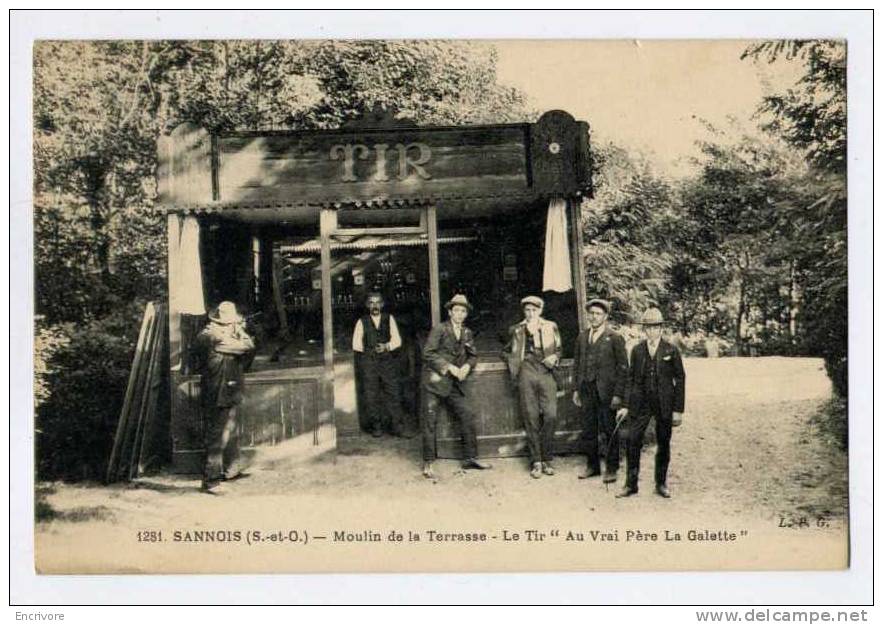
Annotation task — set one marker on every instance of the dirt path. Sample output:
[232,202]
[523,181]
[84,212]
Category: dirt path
[749,455]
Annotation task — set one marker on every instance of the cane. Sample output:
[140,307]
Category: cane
[619,421]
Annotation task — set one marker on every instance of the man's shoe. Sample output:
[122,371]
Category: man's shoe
[627,491]
[662,491]
[475,463]
[609,477]
[428,473]
[589,473]
[548,469]
[536,470]
[209,486]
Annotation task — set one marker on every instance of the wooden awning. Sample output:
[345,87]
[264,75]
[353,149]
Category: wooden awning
[292,175]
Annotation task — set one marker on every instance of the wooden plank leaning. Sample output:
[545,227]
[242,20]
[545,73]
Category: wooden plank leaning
[148,393]
[152,424]
[131,387]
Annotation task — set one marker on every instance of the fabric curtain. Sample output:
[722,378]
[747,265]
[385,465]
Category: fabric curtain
[556,267]
[185,280]
[192,300]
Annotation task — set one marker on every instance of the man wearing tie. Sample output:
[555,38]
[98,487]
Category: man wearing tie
[656,391]
[376,340]
[449,358]
[600,366]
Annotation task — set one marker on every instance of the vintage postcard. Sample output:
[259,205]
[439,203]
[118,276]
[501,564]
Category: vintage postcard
[385,305]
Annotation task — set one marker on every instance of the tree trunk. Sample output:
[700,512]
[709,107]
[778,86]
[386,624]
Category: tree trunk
[792,305]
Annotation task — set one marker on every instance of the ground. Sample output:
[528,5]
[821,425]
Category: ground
[757,476]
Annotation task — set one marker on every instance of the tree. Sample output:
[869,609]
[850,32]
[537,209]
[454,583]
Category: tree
[812,117]
[628,254]
[737,238]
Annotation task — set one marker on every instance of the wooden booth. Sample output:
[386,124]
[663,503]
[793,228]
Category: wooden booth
[297,227]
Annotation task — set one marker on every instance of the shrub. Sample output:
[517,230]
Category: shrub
[85,381]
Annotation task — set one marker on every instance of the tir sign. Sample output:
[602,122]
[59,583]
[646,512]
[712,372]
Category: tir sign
[410,159]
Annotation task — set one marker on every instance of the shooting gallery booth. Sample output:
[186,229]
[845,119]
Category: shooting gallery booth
[297,228]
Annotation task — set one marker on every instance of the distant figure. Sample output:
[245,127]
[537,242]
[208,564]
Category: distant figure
[449,358]
[223,352]
[376,341]
[656,391]
[532,353]
[600,371]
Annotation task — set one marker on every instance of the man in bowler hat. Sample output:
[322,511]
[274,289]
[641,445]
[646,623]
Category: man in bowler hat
[656,392]
[531,355]
[600,367]
[449,358]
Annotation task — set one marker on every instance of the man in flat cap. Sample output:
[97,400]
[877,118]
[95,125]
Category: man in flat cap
[600,369]
[223,351]
[449,358]
[656,391]
[532,353]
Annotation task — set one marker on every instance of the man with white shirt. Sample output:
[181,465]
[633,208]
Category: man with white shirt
[532,354]
[656,391]
[376,340]
[600,371]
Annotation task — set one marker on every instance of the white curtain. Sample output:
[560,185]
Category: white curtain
[185,278]
[192,300]
[556,267]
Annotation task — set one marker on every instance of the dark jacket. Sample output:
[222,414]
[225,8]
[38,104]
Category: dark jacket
[513,353]
[443,349]
[671,378]
[607,359]
[222,358]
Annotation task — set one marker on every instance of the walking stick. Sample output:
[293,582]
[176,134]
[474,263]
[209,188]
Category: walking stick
[619,421]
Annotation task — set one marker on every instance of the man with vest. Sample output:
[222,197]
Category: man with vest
[656,391]
[600,370]
[449,358]
[532,354]
[376,340]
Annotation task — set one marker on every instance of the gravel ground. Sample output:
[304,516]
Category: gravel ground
[749,457]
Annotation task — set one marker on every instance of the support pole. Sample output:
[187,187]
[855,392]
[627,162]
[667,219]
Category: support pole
[327,225]
[579,269]
[432,244]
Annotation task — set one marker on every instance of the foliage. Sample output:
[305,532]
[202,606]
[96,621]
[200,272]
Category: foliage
[736,255]
[87,376]
[48,340]
[812,118]
[811,115]
[627,255]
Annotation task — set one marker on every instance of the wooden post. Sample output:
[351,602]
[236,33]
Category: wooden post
[579,269]
[432,244]
[173,227]
[327,225]
[278,302]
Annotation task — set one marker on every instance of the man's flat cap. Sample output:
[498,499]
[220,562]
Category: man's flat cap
[600,303]
[533,300]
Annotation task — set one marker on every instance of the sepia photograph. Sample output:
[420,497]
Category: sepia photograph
[440,305]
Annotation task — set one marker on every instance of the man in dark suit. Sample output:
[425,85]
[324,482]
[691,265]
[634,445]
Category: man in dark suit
[600,367]
[656,391]
[223,351]
[449,357]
